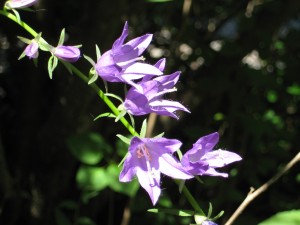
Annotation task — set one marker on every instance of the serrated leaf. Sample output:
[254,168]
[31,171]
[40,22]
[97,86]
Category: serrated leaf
[176,212]
[124,139]
[62,37]
[143,129]
[108,114]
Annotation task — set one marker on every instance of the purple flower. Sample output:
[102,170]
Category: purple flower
[201,160]
[147,158]
[148,98]
[67,53]
[208,222]
[32,50]
[14,4]
[123,62]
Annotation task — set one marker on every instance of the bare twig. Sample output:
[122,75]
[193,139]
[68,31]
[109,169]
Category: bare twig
[254,193]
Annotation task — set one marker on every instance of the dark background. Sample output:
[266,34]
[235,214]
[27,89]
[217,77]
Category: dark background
[240,76]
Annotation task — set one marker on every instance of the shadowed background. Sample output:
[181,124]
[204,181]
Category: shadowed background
[240,77]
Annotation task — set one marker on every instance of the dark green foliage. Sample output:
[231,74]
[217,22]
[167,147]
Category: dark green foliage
[240,63]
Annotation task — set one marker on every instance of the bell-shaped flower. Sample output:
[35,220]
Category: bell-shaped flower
[147,158]
[123,63]
[31,50]
[149,97]
[67,53]
[208,222]
[203,160]
[17,4]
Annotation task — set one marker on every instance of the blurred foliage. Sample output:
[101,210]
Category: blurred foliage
[240,76]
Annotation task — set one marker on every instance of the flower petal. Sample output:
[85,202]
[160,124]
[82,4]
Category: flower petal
[150,180]
[220,158]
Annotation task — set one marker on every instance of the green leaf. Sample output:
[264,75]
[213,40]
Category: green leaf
[291,217]
[92,178]
[129,188]
[108,114]
[176,212]
[124,139]
[61,38]
[143,129]
[88,148]
[85,221]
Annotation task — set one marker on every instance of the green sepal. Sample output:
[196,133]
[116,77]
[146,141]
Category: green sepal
[98,53]
[132,120]
[122,161]
[121,115]
[179,153]
[159,135]
[199,180]
[94,76]
[181,185]
[143,129]
[176,212]
[124,139]
[25,40]
[22,55]
[52,64]
[17,15]
[62,37]
[199,218]
[209,210]
[114,96]
[108,114]
[89,59]
[218,216]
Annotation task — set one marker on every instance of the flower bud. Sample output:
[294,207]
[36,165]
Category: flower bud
[15,4]
[32,50]
[67,53]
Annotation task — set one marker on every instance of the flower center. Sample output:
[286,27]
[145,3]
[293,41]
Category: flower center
[142,151]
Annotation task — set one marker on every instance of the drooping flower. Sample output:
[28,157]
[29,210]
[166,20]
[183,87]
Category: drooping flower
[203,160]
[17,4]
[31,50]
[67,53]
[147,158]
[123,62]
[148,98]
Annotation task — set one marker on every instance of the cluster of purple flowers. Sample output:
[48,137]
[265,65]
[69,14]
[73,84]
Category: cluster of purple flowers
[124,63]
[149,157]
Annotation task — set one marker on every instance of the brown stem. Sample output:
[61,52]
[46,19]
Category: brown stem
[254,193]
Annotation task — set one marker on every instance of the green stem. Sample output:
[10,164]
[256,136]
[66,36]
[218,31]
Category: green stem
[106,100]
[190,198]
[100,93]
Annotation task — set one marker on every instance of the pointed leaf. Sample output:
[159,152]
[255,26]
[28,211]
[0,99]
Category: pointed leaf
[124,139]
[108,114]
[143,129]
[89,59]
[98,53]
[121,115]
[114,96]
[50,62]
